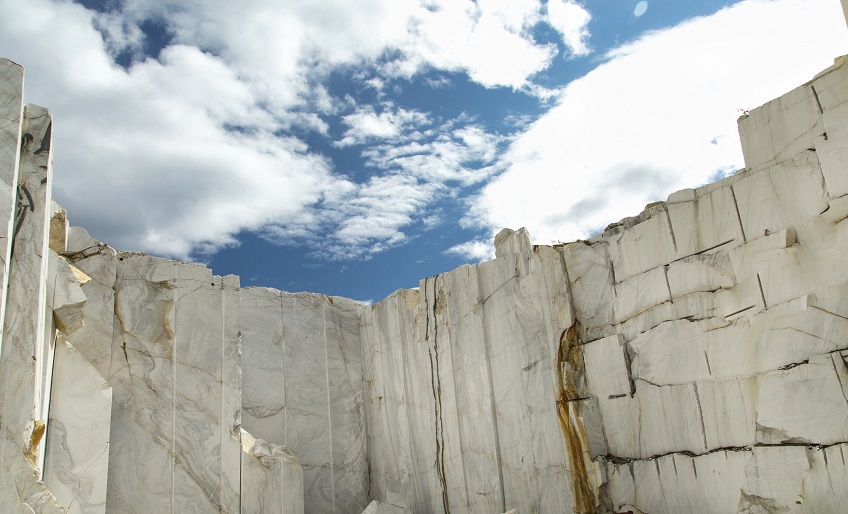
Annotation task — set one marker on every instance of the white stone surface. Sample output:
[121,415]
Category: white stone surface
[172,377]
[607,369]
[26,356]
[11,116]
[700,273]
[271,478]
[591,280]
[641,247]
[376,507]
[670,419]
[99,263]
[729,409]
[490,369]
[64,295]
[678,483]
[709,220]
[302,373]
[781,196]
[781,128]
[804,404]
[77,458]
[638,294]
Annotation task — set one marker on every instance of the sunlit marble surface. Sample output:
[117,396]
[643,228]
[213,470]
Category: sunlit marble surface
[76,463]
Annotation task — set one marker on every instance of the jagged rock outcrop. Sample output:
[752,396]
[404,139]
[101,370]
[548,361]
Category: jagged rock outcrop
[691,358]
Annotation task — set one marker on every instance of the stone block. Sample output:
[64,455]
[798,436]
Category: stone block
[77,458]
[65,297]
[787,194]
[11,118]
[678,483]
[271,478]
[781,128]
[804,404]
[706,222]
[590,278]
[58,228]
[674,352]
[670,419]
[607,372]
[639,293]
[832,150]
[729,411]
[707,272]
[775,479]
[642,247]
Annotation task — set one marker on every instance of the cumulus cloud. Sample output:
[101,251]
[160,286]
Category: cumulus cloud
[657,116]
[173,155]
[474,251]
[365,124]
[199,134]
[489,39]
[571,20]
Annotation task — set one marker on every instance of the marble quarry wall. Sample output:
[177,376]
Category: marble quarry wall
[691,358]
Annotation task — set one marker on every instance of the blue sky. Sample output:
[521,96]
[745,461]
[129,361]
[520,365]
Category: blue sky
[353,148]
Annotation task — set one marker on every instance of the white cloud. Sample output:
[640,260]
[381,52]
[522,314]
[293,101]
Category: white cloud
[172,156]
[179,153]
[473,251]
[360,220]
[658,116]
[489,40]
[571,20]
[456,150]
[365,124]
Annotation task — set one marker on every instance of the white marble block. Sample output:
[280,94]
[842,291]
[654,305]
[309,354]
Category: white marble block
[77,459]
[26,355]
[173,359]
[302,376]
[271,478]
[11,117]
[99,263]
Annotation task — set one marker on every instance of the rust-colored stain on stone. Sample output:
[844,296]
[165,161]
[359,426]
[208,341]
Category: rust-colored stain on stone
[568,412]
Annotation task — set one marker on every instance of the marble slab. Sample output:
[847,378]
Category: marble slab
[176,382]
[706,222]
[65,297]
[26,357]
[271,478]
[99,263]
[643,246]
[11,117]
[302,376]
[781,128]
[77,458]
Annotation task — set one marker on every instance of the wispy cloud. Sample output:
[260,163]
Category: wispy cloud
[454,151]
[359,222]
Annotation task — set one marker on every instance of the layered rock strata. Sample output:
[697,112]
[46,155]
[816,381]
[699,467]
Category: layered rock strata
[689,359]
